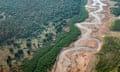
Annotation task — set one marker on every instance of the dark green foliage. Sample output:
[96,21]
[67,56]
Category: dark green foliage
[28,52]
[116,10]
[116,25]
[9,42]
[28,18]
[19,55]
[11,50]
[29,45]
[118,69]
[20,52]
[17,45]
[109,55]
[1,17]
[9,61]
[49,37]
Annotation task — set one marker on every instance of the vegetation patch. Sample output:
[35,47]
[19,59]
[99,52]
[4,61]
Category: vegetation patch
[1,17]
[116,9]
[115,25]
[109,56]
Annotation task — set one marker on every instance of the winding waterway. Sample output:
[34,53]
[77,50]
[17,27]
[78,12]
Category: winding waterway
[97,15]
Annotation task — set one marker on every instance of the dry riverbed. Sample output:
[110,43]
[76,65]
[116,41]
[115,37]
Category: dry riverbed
[81,56]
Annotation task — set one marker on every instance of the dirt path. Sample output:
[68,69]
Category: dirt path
[78,58]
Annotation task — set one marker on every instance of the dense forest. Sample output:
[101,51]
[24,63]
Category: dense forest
[116,9]
[28,18]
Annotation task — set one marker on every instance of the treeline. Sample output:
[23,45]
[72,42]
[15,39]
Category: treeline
[116,9]
[109,56]
[43,62]
[28,18]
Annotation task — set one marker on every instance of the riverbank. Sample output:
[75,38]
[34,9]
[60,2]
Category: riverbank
[80,57]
